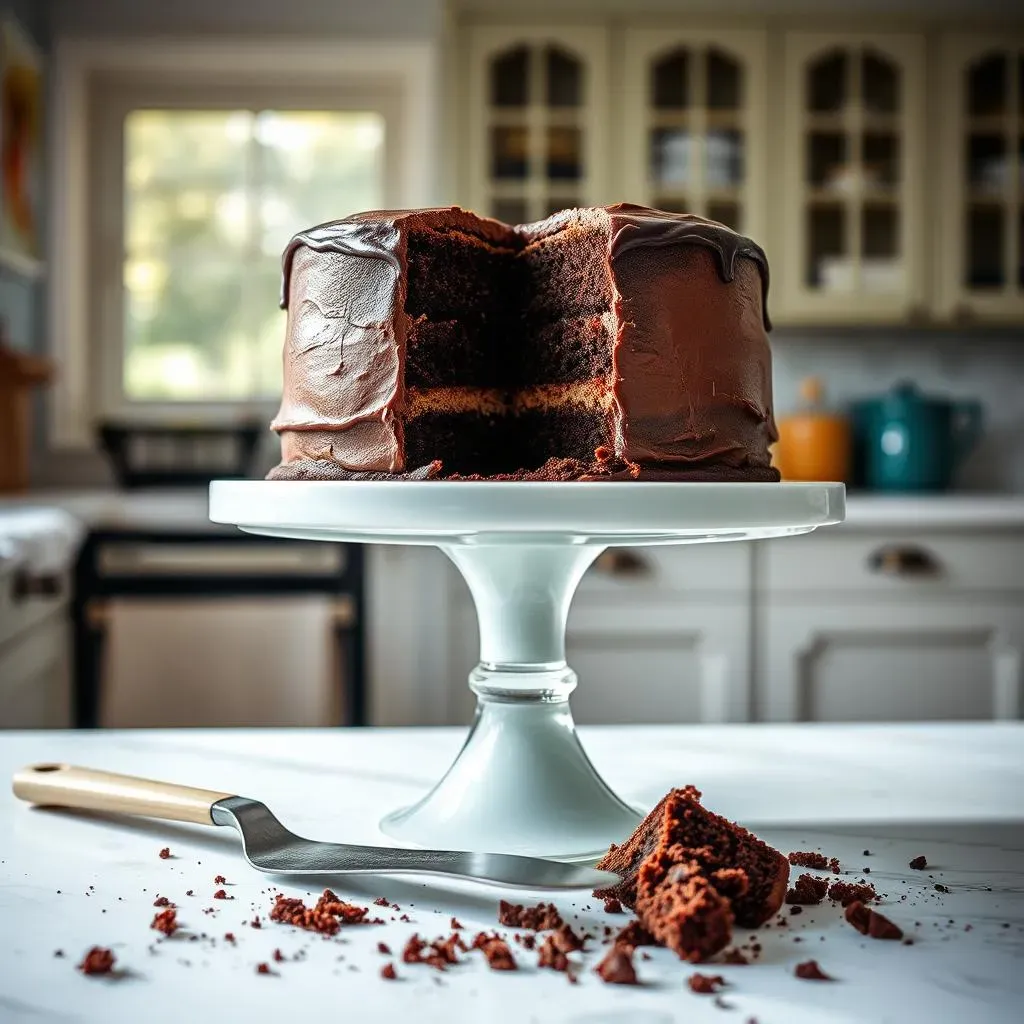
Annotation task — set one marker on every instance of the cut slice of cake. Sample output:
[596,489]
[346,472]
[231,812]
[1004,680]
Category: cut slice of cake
[679,852]
[610,342]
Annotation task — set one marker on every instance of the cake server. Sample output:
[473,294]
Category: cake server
[269,846]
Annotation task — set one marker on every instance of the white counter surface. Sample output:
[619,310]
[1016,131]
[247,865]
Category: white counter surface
[187,509]
[952,793]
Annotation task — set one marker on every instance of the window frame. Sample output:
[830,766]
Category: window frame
[95,84]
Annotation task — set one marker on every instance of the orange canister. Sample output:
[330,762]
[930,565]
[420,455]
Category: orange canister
[814,442]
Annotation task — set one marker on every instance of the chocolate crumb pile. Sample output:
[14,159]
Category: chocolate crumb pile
[329,914]
[690,874]
[97,961]
[846,893]
[438,954]
[496,952]
[808,890]
[541,918]
[870,922]
[919,863]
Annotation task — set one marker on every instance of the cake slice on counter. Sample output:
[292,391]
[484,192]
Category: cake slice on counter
[689,874]
[611,342]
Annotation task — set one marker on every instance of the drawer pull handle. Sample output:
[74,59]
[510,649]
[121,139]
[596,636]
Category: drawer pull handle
[28,585]
[622,562]
[899,560]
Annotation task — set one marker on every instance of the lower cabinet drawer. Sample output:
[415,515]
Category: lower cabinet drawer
[897,564]
[35,682]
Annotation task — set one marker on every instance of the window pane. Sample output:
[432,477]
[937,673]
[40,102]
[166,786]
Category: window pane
[510,78]
[669,81]
[564,74]
[670,156]
[826,84]
[987,92]
[211,198]
[725,82]
[880,84]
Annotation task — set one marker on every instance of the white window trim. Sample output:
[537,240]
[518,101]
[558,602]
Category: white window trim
[411,68]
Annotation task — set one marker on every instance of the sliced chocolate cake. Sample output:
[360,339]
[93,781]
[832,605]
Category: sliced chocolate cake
[606,343]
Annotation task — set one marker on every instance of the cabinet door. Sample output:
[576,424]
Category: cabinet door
[694,123]
[852,191]
[537,110]
[981,260]
[885,662]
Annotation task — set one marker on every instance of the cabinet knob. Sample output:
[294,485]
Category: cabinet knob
[28,585]
[622,562]
[903,560]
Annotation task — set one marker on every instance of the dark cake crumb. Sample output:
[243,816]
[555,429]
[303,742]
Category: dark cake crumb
[188,892]
[383,947]
[221,894]
[735,957]
[58,953]
[256,922]
[456,924]
[634,934]
[263,968]
[870,922]
[540,918]
[161,901]
[165,853]
[278,956]
[808,890]
[388,972]
[230,937]
[919,863]
[381,902]
[846,893]
[98,961]
[705,984]
[617,967]
[497,954]
[833,865]
[795,909]
[166,921]
[808,859]
[612,906]
[939,887]
[219,880]
[810,971]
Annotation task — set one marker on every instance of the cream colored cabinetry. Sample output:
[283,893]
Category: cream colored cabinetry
[537,113]
[852,246]
[693,123]
[981,138]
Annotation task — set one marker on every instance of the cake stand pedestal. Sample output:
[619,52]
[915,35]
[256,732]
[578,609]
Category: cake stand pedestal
[522,782]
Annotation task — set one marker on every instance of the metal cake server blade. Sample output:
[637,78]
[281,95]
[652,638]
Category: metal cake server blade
[269,846]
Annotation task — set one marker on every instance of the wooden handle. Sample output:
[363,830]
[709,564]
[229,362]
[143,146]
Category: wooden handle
[64,785]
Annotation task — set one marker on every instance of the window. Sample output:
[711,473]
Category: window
[211,198]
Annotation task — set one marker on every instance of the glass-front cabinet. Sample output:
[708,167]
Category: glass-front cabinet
[853,163]
[536,120]
[694,122]
[981,273]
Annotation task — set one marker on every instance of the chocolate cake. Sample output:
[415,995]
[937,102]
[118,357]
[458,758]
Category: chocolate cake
[689,874]
[603,343]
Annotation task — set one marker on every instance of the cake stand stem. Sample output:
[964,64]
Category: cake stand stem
[522,782]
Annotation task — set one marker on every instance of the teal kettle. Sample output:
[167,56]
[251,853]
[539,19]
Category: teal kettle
[907,441]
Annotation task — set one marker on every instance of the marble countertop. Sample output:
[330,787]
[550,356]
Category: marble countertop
[954,793]
[186,509]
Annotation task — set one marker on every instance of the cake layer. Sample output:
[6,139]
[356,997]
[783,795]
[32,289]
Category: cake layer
[450,353]
[572,348]
[472,442]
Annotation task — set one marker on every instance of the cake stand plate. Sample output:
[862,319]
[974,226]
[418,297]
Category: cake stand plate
[522,782]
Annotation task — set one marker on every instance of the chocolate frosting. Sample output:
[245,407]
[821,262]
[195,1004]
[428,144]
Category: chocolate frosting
[692,366]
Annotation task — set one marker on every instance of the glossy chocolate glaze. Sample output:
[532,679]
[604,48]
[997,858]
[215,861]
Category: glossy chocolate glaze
[692,368]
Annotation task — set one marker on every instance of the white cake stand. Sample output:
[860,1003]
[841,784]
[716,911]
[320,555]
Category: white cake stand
[522,782]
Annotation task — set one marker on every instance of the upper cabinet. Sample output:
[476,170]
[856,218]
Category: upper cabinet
[982,202]
[694,122]
[853,165]
[537,115]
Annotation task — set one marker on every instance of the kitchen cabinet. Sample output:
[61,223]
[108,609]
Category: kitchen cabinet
[981,273]
[536,120]
[694,122]
[853,123]
[890,626]
[654,634]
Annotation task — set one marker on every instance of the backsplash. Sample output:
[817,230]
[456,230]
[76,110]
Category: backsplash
[855,364]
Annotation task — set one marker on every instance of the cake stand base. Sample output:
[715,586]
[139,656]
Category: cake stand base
[522,782]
